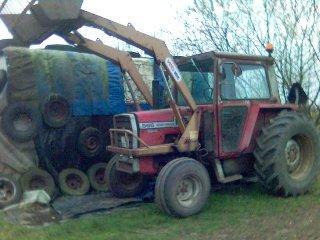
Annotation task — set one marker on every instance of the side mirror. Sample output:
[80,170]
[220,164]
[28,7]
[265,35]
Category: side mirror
[297,95]
[158,95]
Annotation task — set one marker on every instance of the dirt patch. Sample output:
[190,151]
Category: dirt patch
[32,215]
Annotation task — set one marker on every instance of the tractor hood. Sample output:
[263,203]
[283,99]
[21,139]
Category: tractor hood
[159,119]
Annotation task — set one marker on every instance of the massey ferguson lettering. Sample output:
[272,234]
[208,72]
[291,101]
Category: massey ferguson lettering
[157,125]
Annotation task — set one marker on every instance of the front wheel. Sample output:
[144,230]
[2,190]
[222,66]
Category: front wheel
[182,187]
[288,154]
[123,184]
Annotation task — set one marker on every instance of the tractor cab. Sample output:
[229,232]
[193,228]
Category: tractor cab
[231,91]
[215,77]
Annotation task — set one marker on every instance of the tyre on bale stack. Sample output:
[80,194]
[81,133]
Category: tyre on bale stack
[97,178]
[56,111]
[74,182]
[91,142]
[10,190]
[21,122]
[37,179]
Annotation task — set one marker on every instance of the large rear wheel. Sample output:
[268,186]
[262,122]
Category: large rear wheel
[182,187]
[288,154]
[123,184]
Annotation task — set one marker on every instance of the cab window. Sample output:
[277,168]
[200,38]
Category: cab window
[199,78]
[244,81]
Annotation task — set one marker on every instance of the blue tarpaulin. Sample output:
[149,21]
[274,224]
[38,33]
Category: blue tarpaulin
[92,85]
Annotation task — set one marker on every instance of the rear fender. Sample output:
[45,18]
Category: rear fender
[258,116]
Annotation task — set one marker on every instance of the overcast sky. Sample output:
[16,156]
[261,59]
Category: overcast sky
[149,16]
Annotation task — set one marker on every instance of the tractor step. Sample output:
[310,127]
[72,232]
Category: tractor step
[220,173]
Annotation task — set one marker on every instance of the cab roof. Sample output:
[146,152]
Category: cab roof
[235,56]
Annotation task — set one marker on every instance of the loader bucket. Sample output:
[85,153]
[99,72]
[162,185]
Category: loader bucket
[32,21]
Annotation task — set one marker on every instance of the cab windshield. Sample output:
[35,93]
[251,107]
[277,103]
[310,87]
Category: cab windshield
[199,78]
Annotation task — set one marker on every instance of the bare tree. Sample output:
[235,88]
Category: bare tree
[293,26]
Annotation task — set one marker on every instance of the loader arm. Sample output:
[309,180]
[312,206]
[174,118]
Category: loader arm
[62,17]
[157,48]
[152,46]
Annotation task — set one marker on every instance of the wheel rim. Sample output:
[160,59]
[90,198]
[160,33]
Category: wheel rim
[74,181]
[293,154]
[7,190]
[188,191]
[92,143]
[37,182]
[22,122]
[100,176]
[58,111]
[300,156]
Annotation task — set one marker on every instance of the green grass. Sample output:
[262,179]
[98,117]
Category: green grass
[233,213]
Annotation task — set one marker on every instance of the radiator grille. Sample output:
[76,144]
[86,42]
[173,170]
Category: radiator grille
[126,122]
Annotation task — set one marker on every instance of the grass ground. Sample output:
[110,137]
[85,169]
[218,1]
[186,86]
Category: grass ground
[232,213]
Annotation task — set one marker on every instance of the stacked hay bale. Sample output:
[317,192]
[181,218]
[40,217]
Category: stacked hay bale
[56,108]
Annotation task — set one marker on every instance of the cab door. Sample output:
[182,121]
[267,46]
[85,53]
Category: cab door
[240,84]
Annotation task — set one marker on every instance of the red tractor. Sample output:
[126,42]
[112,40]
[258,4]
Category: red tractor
[238,129]
[225,121]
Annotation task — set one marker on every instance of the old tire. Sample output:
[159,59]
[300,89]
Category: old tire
[37,179]
[91,142]
[182,187]
[10,190]
[122,184]
[96,175]
[56,111]
[21,122]
[73,182]
[288,154]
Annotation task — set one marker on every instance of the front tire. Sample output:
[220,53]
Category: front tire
[121,184]
[287,154]
[182,187]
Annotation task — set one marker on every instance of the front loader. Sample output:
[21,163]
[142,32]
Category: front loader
[225,122]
